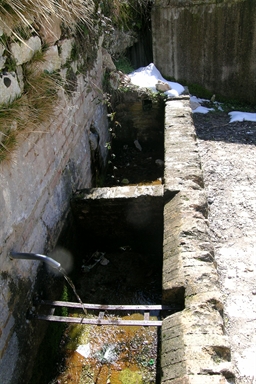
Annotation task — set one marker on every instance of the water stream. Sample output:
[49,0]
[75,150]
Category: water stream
[72,286]
[108,353]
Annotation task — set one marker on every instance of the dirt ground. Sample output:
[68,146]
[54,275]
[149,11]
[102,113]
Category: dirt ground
[228,156]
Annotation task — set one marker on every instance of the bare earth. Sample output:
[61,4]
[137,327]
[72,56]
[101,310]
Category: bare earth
[228,156]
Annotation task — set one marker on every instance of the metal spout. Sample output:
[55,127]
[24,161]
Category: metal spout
[36,256]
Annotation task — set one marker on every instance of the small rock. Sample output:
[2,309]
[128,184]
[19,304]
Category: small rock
[107,60]
[194,105]
[94,140]
[161,86]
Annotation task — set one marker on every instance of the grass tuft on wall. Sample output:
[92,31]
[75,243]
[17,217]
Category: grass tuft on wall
[36,103]
[22,13]
[19,19]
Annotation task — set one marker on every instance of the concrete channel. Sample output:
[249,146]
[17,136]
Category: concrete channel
[172,216]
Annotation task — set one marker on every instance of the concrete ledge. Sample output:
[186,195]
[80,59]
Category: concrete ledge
[120,192]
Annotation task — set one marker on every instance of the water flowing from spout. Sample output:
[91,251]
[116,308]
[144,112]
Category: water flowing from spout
[51,262]
[71,284]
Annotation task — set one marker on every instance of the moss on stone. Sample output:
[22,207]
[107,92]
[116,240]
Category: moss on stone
[129,377]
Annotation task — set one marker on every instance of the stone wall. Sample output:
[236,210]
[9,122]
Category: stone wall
[210,43]
[194,346]
[36,183]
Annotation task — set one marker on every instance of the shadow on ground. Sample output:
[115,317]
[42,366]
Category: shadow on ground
[215,126]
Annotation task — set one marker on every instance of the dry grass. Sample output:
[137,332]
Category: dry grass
[18,19]
[27,112]
[26,12]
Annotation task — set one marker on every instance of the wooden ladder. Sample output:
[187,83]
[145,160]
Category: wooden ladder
[100,320]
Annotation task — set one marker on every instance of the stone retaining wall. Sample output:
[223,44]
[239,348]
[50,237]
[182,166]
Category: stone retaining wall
[36,184]
[194,346]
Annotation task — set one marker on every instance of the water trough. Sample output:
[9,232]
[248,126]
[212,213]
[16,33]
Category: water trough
[169,220]
[167,223]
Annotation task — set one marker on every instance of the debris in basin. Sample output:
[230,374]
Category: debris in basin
[137,145]
[107,354]
[99,258]
[159,162]
[84,350]
[104,261]
[125,248]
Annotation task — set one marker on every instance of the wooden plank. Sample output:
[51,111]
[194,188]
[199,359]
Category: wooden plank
[83,320]
[109,307]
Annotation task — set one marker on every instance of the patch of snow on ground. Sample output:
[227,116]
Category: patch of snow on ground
[202,110]
[241,116]
[197,99]
[147,77]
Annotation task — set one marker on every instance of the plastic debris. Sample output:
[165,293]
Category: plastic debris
[104,261]
[125,248]
[159,162]
[137,145]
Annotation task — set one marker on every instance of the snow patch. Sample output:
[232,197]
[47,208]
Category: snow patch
[147,77]
[241,116]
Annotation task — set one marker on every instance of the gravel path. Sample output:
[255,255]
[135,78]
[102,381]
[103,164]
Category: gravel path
[228,155]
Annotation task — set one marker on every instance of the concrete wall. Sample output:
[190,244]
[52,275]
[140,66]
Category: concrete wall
[207,42]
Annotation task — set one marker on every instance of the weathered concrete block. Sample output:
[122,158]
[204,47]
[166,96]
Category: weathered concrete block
[210,66]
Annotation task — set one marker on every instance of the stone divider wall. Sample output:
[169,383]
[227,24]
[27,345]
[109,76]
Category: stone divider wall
[194,346]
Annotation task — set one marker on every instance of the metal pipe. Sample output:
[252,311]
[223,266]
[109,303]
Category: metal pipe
[36,256]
